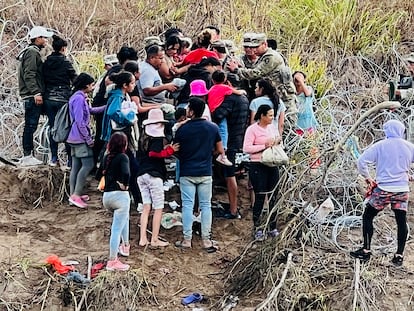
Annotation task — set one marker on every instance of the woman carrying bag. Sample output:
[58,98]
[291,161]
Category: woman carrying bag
[259,136]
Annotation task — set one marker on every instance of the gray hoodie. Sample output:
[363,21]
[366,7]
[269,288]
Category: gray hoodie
[392,158]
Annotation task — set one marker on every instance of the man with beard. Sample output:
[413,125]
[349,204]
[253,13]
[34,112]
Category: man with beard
[31,88]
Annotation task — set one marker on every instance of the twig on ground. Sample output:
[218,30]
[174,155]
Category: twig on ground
[275,291]
[356,284]
[45,294]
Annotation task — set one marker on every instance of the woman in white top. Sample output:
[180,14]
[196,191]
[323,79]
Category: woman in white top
[267,95]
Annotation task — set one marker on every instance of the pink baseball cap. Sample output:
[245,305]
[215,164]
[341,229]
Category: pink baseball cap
[198,88]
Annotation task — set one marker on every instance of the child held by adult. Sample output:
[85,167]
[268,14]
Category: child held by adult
[152,173]
[116,198]
[216,95]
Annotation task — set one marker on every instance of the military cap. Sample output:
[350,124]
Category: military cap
[110,59]
[248,39]
[148,41]
[218,44]
[259,38]
[230,46]
[409,58]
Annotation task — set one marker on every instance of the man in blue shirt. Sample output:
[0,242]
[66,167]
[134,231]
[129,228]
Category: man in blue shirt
[197,138]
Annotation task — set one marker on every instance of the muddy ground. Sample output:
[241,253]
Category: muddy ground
[31,229]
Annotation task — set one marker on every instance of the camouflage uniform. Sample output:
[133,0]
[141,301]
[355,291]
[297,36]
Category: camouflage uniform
[272,66]
[406,93]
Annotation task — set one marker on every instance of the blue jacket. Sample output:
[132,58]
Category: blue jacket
[113,112]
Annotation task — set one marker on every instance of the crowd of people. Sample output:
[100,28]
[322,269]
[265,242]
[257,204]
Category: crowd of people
[197,101]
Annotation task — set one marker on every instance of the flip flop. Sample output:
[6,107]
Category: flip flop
[211,249]
[194,297]
[180,244]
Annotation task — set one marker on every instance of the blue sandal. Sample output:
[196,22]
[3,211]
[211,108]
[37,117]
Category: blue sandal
[194,297]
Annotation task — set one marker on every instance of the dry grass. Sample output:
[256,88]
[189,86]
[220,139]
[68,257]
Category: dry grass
[350,49]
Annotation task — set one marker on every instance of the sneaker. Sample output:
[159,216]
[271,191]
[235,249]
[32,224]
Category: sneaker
[77,201]
[53,162]
[273,233]
[397,260]
[259,236]
[232,216]
[222,159]
[124,250]
[85,198]
[116,265]
[361,254]
[29,161]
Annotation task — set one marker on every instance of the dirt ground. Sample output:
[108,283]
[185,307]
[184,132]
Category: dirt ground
[28,235]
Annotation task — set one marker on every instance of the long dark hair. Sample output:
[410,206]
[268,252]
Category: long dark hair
[121,78]
[117,144]
[270,91]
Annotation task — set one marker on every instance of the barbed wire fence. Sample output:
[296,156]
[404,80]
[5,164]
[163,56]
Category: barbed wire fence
[359,85]
[320,246]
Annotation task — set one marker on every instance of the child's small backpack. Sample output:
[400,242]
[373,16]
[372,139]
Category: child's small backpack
[62,126]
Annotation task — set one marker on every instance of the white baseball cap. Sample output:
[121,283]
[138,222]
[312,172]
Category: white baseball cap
[39,31]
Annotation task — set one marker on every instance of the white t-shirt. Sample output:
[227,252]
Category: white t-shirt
[149,78]
[264,100]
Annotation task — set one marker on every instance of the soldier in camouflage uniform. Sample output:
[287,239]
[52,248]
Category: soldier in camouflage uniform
[408,94]
[270,65]
[248,60]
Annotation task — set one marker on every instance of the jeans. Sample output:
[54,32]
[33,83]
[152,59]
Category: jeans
[224,133]
[31,120]
[82,164]
[119,203]
[51,108]
[203,186]
[263,179]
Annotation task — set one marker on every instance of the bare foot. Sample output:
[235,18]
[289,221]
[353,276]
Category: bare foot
[143,243]
[159,243]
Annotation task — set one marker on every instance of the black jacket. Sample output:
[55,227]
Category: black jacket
[235,108]
[58,75]
[195,72]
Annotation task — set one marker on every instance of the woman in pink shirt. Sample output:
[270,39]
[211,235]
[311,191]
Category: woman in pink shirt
[259,136]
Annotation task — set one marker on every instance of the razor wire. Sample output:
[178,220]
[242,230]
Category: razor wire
[12,40]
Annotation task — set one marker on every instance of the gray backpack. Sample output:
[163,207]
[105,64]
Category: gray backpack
[63,124]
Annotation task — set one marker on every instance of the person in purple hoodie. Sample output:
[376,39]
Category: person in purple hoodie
[80,138]
[392,158]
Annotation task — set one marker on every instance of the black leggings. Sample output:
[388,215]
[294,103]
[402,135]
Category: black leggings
[368,228]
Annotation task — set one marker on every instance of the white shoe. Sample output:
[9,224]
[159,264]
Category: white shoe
[29,161]
[222,159]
